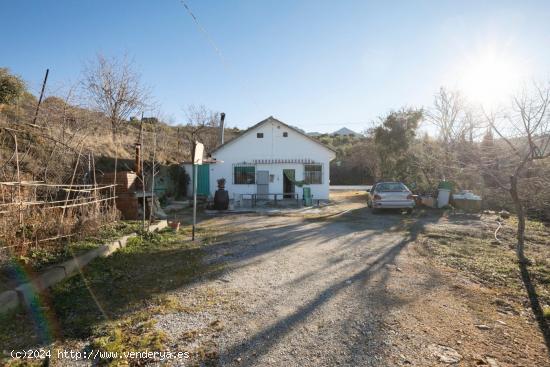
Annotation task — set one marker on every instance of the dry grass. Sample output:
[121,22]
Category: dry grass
[39,235]
[472,249]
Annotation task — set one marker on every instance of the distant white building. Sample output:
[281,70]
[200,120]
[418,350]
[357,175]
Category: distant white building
[272,157]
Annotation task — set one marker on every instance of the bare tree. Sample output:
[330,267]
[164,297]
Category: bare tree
[448,115]
[456,122]
[114,88]
[525,131]
[202,126]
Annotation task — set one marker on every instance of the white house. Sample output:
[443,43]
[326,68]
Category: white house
[272,157]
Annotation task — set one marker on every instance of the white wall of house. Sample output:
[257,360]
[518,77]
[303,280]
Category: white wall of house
[273,147]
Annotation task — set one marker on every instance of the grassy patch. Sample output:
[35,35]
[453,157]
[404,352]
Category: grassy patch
[112,302]
[472,249]
[36,260]
[136,332]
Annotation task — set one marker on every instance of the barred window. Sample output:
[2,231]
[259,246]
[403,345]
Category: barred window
[313,174]
[244,175]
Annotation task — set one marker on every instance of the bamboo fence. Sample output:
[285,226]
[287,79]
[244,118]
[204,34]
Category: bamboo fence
[33,212]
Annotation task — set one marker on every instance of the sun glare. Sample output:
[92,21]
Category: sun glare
[489,77]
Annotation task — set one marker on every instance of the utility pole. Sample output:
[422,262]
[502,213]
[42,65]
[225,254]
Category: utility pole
[41,95]
[142,172]
[197,160]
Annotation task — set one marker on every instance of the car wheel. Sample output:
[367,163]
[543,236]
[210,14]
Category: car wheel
[409,211]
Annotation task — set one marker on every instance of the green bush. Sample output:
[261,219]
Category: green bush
[181,180]
[11,87]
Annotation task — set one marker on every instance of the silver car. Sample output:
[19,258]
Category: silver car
[391,195]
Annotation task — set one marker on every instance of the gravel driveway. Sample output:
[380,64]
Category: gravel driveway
[349,290]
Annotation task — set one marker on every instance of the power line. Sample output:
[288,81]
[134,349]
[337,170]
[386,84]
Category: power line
[218,51]
[206,35]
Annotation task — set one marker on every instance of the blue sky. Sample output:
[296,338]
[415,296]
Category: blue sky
[319,65]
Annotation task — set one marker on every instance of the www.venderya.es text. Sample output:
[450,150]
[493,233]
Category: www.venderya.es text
[98,354]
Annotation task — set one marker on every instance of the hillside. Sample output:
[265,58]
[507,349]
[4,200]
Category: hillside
[341,132]
[345,131]
[49,147]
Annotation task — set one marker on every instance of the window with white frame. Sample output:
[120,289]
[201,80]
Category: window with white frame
[313,173]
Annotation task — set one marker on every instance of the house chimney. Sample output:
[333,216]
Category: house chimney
[222,118]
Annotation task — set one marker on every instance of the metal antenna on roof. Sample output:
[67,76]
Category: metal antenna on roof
[222,119]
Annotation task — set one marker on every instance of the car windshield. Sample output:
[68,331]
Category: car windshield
[391,187]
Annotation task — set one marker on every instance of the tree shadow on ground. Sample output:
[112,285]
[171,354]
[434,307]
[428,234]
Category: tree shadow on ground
[135,276]
[110,288]
[251,350]
[535,303]
[247,248]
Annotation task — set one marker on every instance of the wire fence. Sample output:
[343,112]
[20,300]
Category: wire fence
[37,214]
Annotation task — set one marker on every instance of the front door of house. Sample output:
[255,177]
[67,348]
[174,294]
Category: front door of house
[288,184]
[262,184]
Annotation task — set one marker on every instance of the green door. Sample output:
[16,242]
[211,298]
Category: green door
[203,183]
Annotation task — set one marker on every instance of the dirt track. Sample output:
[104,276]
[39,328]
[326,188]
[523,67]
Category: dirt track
[349,290]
